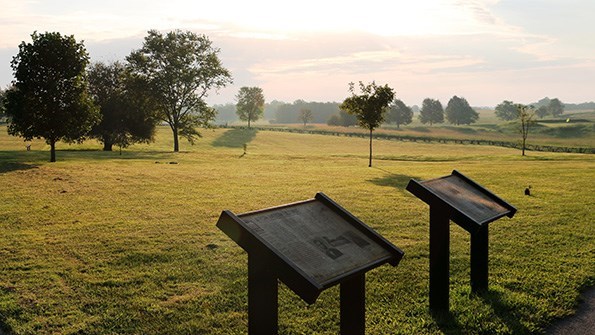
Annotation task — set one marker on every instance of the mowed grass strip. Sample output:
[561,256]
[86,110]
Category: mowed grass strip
[99,243]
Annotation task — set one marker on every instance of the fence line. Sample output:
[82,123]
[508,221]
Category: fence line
[427,139]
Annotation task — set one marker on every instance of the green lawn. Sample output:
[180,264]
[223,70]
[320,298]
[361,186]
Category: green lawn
[99,243]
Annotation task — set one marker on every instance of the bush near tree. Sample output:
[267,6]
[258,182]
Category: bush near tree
[50,98]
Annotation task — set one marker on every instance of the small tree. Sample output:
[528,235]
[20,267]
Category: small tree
[459,112]
[128,114]
[179,69]
[250,105]
[506,111]
[555,107]
[399,113]
[305,116]
[431,112]
[50,99]
[369,106]
[525,115]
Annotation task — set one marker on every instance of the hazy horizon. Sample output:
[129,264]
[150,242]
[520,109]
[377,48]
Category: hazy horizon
[485,51]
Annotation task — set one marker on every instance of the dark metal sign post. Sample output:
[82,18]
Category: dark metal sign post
[458,198]
[310,246]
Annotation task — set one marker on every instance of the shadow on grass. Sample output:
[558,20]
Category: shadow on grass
[235,138]
[398,181]
[506,311]
[15,166]
[25,160]
[447,323]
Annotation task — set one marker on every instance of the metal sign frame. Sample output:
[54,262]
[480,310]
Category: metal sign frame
[270,259]
[458,198]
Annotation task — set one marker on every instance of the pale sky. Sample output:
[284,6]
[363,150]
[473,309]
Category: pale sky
[484,50]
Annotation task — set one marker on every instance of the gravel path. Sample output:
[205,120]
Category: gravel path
[581,323]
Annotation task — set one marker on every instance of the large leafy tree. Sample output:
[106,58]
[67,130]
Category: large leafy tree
[127,110]
[431,112]
[399,113]
[506,111]
[250,104]
[459,112]
[369,106]
[179,69]
[50,98]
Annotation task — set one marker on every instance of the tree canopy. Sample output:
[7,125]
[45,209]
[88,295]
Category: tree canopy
[555,107]
[127,110]
[2,103]
[50,98]
[305,116]
[179,69]
[459,112]
[250,104]
[506,111]
[431,112]
[399,113]
[369,106]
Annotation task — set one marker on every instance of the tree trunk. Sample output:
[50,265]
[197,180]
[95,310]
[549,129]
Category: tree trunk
[52,150]
[523,149]
[176,140]
[370,164]
[248,122]
[107,145]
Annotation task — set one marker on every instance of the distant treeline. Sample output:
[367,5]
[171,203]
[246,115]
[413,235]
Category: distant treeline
[282,112]
[567,106]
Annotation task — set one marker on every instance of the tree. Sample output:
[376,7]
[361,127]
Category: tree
[305,116]
[250,105]
[179,69]
[542,112]
[50,98]
[431,112]
[399,113]
[127,111]
[342,119]
[506,111]
[2,103]
[555,107]
[368,107]
[525,116]
[334,120]
[459,112]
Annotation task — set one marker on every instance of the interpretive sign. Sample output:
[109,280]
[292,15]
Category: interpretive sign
[470,205]
[310,246]
[458,198]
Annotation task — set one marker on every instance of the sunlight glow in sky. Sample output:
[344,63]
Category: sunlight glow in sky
[484,50]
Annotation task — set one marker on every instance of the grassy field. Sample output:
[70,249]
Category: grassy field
[99,243]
